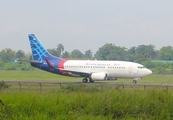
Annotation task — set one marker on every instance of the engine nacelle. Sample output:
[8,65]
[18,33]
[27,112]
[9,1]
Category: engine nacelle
[99,76]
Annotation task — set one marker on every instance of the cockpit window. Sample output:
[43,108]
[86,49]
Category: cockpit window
[141,67]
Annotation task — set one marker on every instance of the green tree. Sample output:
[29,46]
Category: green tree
[104,51]
[7,55]
[139,58]
[166,53]
[66,54]
[111,52]
[120,53]
[53,52]
[76,54]
[20,54]
[28,56]
[60,49]
[148,51]
[88,54]
[131,53]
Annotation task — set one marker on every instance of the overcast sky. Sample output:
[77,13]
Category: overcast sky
[86,24]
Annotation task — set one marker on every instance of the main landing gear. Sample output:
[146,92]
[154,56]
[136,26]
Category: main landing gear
[134,81]
[85,80]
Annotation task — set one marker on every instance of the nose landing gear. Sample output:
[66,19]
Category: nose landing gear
[135,80]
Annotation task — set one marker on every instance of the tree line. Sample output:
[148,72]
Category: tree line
[143,54]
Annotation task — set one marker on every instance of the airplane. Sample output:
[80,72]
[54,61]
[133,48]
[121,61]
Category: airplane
[90,70]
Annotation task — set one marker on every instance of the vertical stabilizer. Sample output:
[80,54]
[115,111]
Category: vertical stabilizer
[38,50]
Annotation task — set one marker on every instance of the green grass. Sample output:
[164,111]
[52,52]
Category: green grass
[88,105]
[45,76]
[32,75]
[82,102]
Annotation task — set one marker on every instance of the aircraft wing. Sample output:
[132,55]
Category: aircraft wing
[76,72]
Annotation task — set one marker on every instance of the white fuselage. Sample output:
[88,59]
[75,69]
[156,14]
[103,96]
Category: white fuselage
[113,69]
[90,70]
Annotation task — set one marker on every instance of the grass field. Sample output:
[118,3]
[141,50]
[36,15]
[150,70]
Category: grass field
[71,102]
[90,104]
[45,76]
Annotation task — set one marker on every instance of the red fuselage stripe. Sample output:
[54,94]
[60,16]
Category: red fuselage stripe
[61,65]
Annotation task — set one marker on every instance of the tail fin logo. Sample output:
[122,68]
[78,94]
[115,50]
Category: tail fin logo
[34,38]
[38,51]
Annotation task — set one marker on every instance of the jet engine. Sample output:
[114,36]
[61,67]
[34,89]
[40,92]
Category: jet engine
[99,76]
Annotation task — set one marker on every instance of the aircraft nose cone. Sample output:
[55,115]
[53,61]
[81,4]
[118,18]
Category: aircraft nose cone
[148,72]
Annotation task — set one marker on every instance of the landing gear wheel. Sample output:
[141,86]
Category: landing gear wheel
[91,81]
[106,77]
[134,81]
[85,80]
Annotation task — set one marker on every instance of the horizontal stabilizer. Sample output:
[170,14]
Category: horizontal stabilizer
[30,61]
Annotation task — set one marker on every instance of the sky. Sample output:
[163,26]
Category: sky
[86,24]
